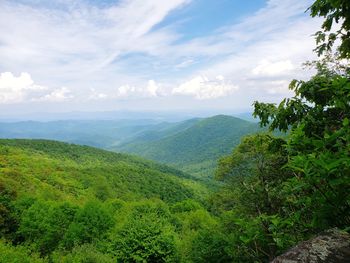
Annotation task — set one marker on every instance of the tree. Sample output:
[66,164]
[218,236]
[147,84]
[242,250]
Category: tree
[307,191]
[44,224]
[317,117]
[334,11]
[255,216]
[146,235]
[8,220]
[90,224]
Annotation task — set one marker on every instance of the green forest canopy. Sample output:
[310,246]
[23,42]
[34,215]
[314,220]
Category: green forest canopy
[276,191]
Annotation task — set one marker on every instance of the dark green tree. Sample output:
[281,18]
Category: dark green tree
[90,224]
[44,224]
[254,215]
[334,11]
[317,117]
[8,220]
[146,236]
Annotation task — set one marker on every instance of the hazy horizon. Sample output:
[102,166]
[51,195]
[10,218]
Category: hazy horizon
[168,116]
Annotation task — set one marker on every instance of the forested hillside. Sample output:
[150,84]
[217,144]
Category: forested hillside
[61,202]
[68,202]
[197,148]
[193,145]
[52,163]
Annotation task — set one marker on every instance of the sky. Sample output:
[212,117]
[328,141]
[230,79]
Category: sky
[151,55]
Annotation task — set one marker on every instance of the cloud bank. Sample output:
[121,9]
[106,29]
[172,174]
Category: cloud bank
[22,88]
[202,88]
[130,49]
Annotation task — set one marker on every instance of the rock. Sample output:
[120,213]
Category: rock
[331,246]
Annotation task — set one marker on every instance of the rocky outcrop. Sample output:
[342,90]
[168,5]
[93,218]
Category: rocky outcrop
[332,246]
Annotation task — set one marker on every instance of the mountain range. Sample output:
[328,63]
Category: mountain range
[193,145]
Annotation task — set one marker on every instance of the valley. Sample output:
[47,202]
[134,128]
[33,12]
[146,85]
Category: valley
[192,145]
[179,131]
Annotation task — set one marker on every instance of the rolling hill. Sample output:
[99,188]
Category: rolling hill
[193,145]
[61,202]
[196,147]
[68,171]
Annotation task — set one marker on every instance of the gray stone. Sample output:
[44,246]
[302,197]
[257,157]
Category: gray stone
[331,246]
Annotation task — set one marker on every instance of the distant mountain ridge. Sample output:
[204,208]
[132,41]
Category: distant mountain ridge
[195,148]
[97,133]
[193,145]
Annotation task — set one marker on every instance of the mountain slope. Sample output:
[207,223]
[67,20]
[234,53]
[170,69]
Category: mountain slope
[193,145]
[68,203]
[71,172]
[159,131]
[197,147]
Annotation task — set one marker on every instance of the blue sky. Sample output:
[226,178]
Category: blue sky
[89,55]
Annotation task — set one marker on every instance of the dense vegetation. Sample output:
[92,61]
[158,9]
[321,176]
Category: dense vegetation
[197,148]
[69,203]
[65,203]
[61,165]
[280,191]
[192,145]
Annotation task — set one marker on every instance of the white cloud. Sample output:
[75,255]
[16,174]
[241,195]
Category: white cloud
[83,45]
[152,89]
[268,68]
[16,89]
[95,95]
[278,87]
[78,39]
[23,89]
[126,91]
[257,58]
[220,77]
[202,88]
[57,95]
[184,64]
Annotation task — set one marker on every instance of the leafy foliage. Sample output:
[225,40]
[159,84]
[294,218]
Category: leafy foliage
[250,203]
[318,145]
[146,236]
[8,220]
[44,224]
[334,11]
[82,254]
[90,224]
[70,203]
[18,254]
[274,201]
